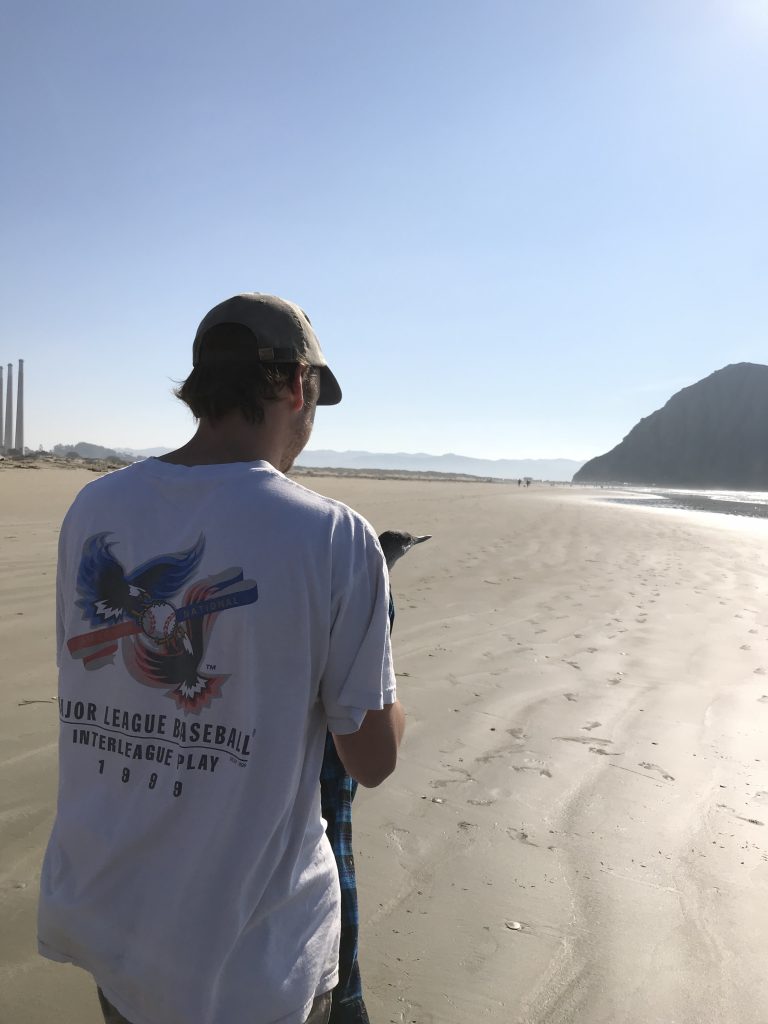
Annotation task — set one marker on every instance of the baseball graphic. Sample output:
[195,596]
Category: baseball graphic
[159,621]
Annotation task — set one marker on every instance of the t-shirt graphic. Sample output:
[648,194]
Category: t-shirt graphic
[163,638]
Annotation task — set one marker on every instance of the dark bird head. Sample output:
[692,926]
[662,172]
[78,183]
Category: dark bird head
[396,543]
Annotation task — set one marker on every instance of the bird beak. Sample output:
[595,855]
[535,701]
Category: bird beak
[418,540]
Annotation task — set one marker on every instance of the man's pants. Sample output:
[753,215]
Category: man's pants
[321,1009]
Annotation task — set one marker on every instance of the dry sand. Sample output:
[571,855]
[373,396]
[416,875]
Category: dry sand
[578,827]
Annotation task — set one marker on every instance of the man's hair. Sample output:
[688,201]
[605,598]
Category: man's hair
[229,378]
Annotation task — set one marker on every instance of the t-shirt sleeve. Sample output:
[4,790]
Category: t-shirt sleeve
[359,675]
[61,571]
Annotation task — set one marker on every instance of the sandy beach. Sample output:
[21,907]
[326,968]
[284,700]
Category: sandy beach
[577,831]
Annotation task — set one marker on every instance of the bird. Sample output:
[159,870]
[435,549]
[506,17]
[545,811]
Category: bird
[396,543]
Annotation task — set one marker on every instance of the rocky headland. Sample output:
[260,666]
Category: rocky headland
[713,434]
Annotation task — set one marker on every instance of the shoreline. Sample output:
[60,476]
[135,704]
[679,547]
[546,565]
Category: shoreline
[722,502]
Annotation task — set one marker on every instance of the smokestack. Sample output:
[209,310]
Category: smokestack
[2,423]
[20,408]
[9,409]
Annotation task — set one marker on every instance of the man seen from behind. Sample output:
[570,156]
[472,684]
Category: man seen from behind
[213,619]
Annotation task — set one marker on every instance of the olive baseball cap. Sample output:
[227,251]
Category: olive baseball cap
[281,330]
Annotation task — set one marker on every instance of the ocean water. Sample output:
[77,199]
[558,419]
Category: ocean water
[753,504]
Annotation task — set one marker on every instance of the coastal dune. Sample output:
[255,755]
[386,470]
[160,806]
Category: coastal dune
[577,827]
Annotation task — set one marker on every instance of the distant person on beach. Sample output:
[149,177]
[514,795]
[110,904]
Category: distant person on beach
[214,618]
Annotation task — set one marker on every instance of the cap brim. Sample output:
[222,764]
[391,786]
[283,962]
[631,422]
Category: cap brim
[330,392]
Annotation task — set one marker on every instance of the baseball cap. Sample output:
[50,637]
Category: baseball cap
[282,333]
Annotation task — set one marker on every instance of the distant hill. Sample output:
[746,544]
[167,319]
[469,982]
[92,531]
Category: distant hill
[713,434]
[87,450]
[148,453]
[510,469]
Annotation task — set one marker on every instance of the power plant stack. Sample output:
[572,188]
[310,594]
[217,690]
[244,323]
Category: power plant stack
[20,409]
[8,439]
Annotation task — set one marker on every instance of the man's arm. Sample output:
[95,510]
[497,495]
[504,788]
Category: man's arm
[370,754]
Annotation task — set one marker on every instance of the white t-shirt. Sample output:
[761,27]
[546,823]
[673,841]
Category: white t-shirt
[212,621]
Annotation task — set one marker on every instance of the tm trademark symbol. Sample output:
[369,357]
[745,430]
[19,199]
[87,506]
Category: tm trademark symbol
[211,668]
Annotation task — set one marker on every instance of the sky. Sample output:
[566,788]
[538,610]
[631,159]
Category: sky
[517,227]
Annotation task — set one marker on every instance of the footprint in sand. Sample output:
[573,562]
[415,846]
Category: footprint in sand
[655,768]
[750,821]
[487,758]
[591,725]
[584,739]
[759,672]
[441,783]
[521,836]
[516,733]
[573,664]
[570,696]
[397,836]
[605,753]
[592,650]
[745,647]
[12,884]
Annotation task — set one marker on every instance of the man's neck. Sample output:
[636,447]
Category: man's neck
[227,441]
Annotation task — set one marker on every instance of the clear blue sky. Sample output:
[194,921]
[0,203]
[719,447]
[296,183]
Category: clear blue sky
[517,226]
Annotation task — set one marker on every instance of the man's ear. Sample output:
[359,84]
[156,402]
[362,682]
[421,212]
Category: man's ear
[296,389]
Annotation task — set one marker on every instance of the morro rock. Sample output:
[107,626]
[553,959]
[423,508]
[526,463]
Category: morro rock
[713,434]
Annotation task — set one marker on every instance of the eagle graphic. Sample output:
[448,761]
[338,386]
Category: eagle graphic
[163,640]
[109,594]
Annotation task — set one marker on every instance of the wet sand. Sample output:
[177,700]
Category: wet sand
[577,828]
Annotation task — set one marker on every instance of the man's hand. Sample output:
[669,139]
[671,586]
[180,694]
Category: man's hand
[370,754]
